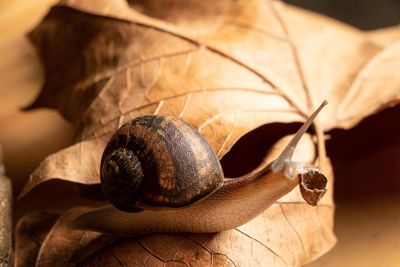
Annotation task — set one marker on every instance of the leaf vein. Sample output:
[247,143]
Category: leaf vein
[295,53]
[263,245]
[158,257]
[91,134]
[155,25]
[209,251]
[293,228]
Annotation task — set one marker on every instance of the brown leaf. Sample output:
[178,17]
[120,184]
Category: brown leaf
[244,246]
[384,37]
[30,234]
[227,68]
[60,240]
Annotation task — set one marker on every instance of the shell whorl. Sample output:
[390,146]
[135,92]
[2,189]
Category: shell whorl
[174,164]
[122,176]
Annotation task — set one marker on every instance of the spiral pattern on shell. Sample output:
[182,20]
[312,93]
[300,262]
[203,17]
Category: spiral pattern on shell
[155,162]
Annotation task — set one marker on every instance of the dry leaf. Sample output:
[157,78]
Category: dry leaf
[225,67]
[31,231]
[385,37]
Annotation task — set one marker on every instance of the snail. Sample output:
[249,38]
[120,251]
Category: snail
[160,175]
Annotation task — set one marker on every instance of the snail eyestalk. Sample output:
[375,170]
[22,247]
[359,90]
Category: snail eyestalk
[287,153]
[312,182]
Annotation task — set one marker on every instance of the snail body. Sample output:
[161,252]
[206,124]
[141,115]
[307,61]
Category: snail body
[159,204]
[233,205]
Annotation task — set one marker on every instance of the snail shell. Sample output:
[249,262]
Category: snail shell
[154,162]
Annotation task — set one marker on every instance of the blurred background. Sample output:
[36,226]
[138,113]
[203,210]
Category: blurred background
[367,211]
[363,14]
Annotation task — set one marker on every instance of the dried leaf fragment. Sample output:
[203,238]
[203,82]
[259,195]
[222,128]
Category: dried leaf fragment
[312,186]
